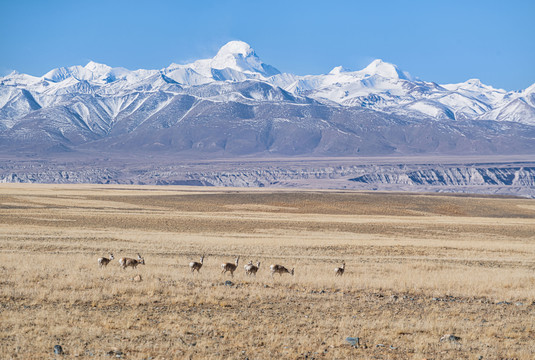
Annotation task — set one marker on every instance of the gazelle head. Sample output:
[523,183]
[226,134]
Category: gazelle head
[111,256]
[292,272]
[258,264]
[140,259]
[202,258]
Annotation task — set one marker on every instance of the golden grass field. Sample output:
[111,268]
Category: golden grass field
[417,267]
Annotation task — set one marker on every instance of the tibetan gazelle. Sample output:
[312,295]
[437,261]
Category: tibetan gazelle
[230,267]
[194,265]
[279,269]
[251,269]
[126,262]
[339,271]
[105,261]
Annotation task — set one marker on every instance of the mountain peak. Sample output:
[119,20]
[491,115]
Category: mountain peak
[95,66]
[384,69]
[239,55]
[477,85]
[236,47]
[530,89]
[473,82]
[337,70]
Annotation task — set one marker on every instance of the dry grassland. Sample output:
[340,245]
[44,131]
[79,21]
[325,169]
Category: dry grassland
[417,267]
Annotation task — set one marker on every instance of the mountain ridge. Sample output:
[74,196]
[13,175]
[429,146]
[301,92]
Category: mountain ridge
[234,103]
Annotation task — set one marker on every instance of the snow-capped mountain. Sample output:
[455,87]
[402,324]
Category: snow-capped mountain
[236,61]
[236,103]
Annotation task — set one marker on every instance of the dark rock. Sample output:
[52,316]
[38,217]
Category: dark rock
[450,337]
[354,341]
[116,353]
[58,350]
[229,283]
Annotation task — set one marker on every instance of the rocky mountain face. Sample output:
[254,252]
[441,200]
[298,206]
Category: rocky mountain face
[234,104]
[505,176]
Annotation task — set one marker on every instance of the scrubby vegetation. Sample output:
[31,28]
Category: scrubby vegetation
[418,267]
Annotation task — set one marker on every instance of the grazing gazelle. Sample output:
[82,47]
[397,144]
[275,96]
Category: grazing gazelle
[230,267]
[126,262]
[279,269]
[105,261]
[339,271]
[194,265]
[250,269]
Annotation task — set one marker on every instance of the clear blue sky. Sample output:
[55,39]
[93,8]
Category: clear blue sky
[441,41]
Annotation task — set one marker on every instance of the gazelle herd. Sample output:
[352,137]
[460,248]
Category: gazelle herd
[250,269]
[123,262]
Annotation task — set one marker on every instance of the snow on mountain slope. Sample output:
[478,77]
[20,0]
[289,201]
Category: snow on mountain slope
[19,80]
[529,95]
[14,104]
[473,88]
[378,86]
[517,110]
[463,107]
[384,87]
[432,109]
[186,75]
[514,106]
[93,71]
